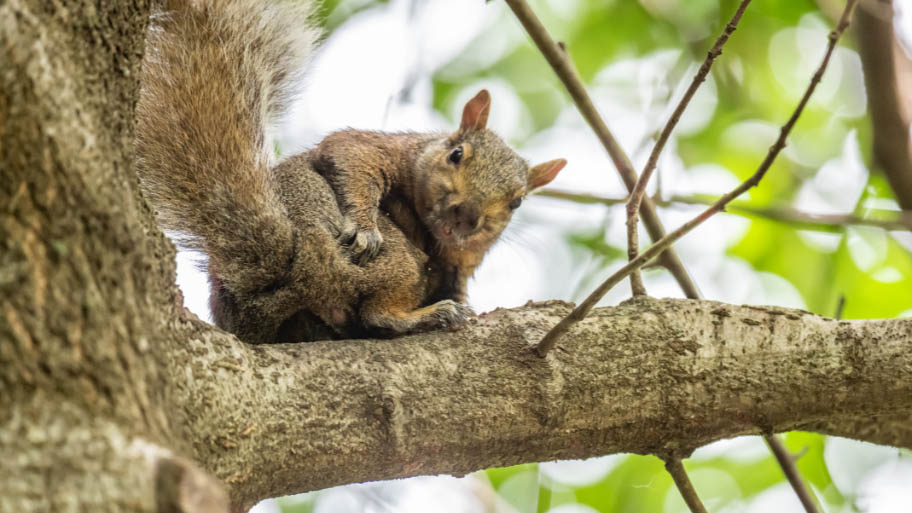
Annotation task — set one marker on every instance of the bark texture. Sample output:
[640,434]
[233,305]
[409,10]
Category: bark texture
[113,398]
[82,266]
[649,376]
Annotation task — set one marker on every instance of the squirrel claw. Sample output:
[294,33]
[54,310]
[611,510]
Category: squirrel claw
[363,245]
[452,315]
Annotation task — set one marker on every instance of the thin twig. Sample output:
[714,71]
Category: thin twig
[679,475]
[840,307]
[885,219]
[787,462]
[580,311]
[557,57]
[637,288]
[639,190]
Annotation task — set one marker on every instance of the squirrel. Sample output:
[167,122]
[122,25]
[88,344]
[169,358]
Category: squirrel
[217,75]
[452,194]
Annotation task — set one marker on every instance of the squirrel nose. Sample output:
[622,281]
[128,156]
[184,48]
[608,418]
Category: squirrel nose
[464,217]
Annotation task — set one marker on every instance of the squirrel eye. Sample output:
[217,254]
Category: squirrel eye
[455,156]
[515,203]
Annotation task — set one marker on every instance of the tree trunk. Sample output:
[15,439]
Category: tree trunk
[113,398]
[84,272]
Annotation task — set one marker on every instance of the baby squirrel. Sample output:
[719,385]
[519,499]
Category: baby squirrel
[216,76]
[452,194]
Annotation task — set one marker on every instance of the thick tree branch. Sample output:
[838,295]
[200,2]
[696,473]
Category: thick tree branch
[894,429]
[649,376]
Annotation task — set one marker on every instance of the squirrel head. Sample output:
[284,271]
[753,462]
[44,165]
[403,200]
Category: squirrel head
[470,182]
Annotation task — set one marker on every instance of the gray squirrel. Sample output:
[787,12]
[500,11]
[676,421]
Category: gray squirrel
[217,75]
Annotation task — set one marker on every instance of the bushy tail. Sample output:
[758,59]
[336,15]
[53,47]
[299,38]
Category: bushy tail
[216,75]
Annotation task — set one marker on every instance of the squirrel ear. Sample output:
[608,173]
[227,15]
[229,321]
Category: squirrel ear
[475,112]
[543,173]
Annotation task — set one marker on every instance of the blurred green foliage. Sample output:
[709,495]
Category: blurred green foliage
[750,87]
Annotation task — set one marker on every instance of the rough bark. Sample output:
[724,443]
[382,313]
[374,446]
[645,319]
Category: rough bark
[112,398]
[81,268]
[650,376]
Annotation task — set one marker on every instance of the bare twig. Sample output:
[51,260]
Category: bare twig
[885,219]
[787,462]
[637,288]
[639,190]
[557,57]
[679,475]
[840,307]
[580,311]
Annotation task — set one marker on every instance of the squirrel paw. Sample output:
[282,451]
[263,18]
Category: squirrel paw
[363,244]
[451,315]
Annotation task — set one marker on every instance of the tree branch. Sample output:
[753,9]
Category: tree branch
[787,463]
[578,313]
[888,80]
[557,57]
[885,219]
[649,376]
[676,469]
[639,190]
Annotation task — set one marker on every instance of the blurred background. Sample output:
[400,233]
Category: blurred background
[818,228]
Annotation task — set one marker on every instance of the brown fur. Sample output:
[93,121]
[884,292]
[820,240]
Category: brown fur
[409,176]
[217,73]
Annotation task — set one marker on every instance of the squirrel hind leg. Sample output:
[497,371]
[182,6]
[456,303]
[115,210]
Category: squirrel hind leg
[446,314]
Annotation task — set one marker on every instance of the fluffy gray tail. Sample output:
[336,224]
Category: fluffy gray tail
[216,75]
